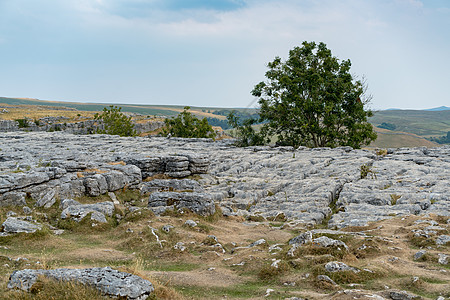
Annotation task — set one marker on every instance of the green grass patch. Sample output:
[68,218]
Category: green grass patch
[251,289]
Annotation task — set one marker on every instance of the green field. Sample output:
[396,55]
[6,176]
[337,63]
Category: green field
[419,122]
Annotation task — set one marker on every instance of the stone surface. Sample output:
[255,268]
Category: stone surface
[277,183]
[419,254]
[97,210]
[401,295]
[199,203]
[443,239]
[15,225]
[337,266]
[13,198]
[109,281]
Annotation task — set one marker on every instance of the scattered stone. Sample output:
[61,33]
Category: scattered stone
[275,263]
[10,214]
[68,202]
[336,266]
[326,278]
[167,228]
[268,292]
[12,198]
[324,241]
[98,210]
[27,210]
[443,239]
[257,243]
[419,254]
[109,281]
[179,246]
[401,295]
[302,238]
[113,198]
[190,223]
[443,259]
[14,225]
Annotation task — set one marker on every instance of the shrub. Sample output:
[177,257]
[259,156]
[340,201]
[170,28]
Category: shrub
[115,122]
[23,123]
[186,125]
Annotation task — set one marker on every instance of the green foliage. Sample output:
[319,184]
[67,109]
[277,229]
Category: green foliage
[115,122]
[366,170]
[245,133]
[241,116]
[388,126]
[186,125]
[23,123]
[311,99]
[445,139]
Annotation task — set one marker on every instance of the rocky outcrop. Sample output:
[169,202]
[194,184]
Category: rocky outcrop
[8,125]
[108,281]
[51,124]
[199,203]
[15,225]
[341,186]
[78,211]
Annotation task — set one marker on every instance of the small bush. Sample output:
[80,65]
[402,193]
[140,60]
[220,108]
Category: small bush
[366,170]
[23,123]
[115,122]
[186,125]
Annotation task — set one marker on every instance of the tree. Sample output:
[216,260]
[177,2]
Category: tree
[244,132]
[115,122]
[311,99]
[186,125]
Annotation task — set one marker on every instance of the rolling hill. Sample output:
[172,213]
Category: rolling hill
[411,127]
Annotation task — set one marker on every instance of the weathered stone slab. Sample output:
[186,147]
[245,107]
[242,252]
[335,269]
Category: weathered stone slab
[15,225]
[107,280]
[199,203]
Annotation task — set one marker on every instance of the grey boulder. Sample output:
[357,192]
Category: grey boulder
[107,280]
[14,225]
[97,210]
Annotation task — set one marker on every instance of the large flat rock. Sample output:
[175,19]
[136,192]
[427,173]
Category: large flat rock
[309,185]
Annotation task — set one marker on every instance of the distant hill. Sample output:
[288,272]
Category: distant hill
[439,108]
[408,128]
[420,122]
[393,139]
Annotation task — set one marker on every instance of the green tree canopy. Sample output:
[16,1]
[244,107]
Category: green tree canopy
[186,125]
[115,122]
[311,99]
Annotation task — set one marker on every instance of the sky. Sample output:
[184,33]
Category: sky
[212,53]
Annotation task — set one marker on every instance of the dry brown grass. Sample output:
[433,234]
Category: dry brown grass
[244,273]
[35,112]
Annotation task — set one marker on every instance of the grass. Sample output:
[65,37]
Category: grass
[422,123]
[178,275]
[46,289]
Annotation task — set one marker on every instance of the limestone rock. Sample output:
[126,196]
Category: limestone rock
[337,266]
[98,210]
[199,203]
[171,185]
[108,281]
[95,185]
[13,198]
[15,225]
[46,198]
